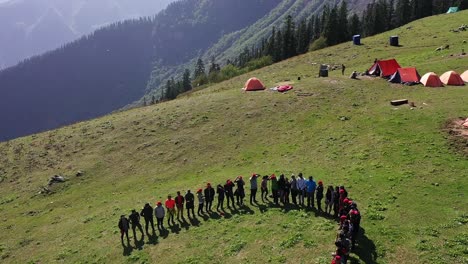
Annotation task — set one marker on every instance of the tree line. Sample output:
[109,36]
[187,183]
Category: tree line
[334,26]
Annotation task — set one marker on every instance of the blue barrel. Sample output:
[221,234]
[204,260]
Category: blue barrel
[394,41]
[357,39]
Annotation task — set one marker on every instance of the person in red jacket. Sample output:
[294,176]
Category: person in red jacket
[179,201]
[170,206]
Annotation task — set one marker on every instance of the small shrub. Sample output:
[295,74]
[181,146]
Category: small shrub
[424,245]
[235,248]
[374,215]
[139,257]
[309,243]
[320,43]
[291,241]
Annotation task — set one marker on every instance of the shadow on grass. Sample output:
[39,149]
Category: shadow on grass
[194,221]
[127,249]
[175,228]
[365,250]
[164,233]
[246,209]
[184,224]
[153,239]
[139,243]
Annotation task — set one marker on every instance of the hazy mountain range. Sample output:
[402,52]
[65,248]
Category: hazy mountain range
[31,27]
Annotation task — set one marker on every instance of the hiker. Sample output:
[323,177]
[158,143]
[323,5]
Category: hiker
[355,219]
[221,192]
[209,197]
[189,203]
[343,248]
[264,188]
[329,199]
[336,201]
[293,184]
[311,185]
[319,195]
[336,260]
[123,226]
[353,75]
[281,187]
[229,192]
[201,200]
[253,188]
[343,194]
[342,69]
[274,188]
[287,190]
[240,189]
[147,214]
[134,218]
[301,187]
[170,206]
[179,201]
[159,212]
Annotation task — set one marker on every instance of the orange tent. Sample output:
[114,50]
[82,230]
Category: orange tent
[431,79]
[464,76]
[253,84]
[451,78]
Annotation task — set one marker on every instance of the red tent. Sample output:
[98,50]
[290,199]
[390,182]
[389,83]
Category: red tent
[431,79]
[253,84]
[451,78]
[405,75]
[384,68]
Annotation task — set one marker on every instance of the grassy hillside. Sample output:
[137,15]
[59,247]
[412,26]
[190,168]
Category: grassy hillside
[408,181]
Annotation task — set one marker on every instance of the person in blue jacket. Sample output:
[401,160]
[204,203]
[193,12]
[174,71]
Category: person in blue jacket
[310,188]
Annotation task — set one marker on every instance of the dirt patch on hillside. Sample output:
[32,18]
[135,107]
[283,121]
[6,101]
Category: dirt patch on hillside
[457,135]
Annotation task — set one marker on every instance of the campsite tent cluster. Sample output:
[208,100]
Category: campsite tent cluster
[396,74]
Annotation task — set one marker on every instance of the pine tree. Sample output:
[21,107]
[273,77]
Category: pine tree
[330,32]
[144,101]
[324,18]
[278,48]
[343,23]
[310,29]
[391,15]
[403,12]
[214,67]
[416,9]
[270,49]
[186,82]
[302,36]
[153,99]
[199,69]
[354,25]
[317,28]
[463,4]
[289,40]
[426,8]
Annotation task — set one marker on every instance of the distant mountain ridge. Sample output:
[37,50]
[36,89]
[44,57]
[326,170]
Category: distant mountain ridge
[31,27]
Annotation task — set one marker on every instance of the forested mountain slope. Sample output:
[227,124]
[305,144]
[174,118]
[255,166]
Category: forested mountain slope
[108,69]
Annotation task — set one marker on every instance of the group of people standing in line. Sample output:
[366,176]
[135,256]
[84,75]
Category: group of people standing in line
[299,191]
